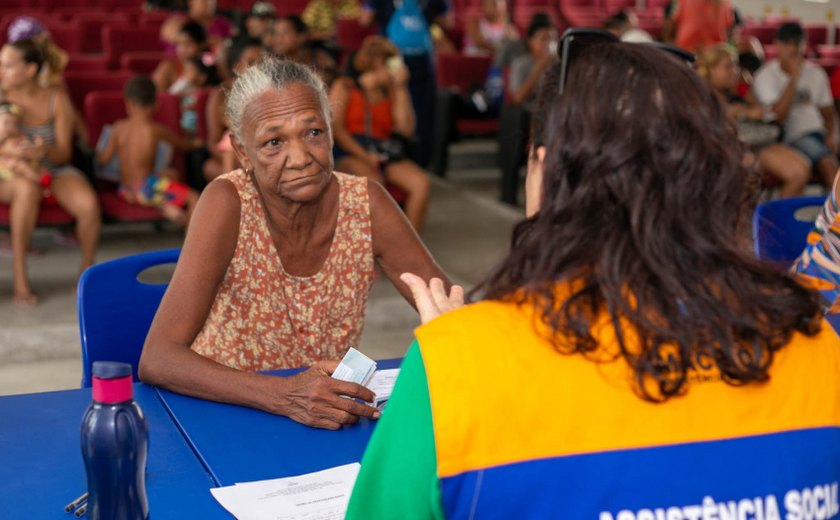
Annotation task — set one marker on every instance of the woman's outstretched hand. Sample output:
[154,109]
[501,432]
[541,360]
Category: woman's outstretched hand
[431,299]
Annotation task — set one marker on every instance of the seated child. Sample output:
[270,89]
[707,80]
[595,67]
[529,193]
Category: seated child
[18,155]
[134,141]
[200,73]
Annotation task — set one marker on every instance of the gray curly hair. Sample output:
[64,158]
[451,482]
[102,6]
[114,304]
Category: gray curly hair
[270,73]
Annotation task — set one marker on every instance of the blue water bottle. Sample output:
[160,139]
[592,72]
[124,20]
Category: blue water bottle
[115,440]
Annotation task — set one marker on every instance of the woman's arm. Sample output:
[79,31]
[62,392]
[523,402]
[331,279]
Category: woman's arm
[312,398]
[396,247]
[164,75]
[61,152]
[215,115]
[105,156]
[521,89]
[402,109]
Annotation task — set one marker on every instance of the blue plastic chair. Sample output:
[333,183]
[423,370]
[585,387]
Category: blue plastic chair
[116,309]
[778,234]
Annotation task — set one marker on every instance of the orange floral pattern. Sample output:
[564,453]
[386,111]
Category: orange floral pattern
[264,318]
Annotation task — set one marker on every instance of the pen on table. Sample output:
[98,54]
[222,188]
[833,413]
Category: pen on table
[81,511]
[76,503]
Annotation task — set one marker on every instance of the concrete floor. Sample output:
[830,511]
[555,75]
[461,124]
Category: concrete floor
[467,231]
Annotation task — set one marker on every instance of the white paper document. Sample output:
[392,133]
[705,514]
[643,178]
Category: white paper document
[382,384]
[315,496]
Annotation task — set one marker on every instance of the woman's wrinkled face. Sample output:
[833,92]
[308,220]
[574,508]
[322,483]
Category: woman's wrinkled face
[14,72]
[287,143]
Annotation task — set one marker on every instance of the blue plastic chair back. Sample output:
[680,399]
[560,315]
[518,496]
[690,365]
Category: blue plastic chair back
[778,234]
[116,309]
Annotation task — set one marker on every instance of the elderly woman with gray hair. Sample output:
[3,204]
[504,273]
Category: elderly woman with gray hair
[277,265]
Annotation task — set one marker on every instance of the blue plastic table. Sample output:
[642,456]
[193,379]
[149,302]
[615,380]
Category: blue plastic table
[41,467]
[240,444]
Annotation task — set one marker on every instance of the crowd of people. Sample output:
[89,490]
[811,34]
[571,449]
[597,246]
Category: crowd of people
[628,337]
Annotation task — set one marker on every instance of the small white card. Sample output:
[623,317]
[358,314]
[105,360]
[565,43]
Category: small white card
[355,367]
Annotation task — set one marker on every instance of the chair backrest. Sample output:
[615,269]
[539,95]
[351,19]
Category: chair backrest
[117,40]
[116,309]
[81,82]
[462,72]
[780,230]
[105,107]
[350,34]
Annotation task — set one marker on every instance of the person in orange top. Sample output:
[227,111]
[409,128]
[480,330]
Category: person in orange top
[373,119]
[700,23]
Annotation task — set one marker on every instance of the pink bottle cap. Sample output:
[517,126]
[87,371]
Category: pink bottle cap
[112,382]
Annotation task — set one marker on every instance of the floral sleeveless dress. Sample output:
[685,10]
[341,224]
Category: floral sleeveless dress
[263,318]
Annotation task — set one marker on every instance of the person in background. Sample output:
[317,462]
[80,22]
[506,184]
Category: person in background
[797,94]
[47,120]
[134,142]
[191,43]
[218,28]
[835,88]
[289,39]
[260,20]
[701,23]
[241,54]
[625,25]
[628,333]
[486,33]
[55,61]
[278,262]
[407,25]
[322,16]
[372,114]
[718,65]
[200,73]
[526,70]
[819,264]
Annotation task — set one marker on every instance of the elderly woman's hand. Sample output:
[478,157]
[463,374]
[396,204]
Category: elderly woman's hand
[314,398]
[432,300]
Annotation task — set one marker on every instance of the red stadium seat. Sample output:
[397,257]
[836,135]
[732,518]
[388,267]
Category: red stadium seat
[765,33]
[817,34]
[92,25]
[105,107]
[349,34]
[117,40]
[828,51]
[79,83]
[462,72]
[141,62]
[68,36]
[86,62]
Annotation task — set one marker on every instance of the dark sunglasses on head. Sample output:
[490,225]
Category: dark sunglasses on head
[575,39]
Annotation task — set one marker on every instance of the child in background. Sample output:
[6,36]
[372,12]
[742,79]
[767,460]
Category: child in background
[134,140]
[18,155]
[199,73]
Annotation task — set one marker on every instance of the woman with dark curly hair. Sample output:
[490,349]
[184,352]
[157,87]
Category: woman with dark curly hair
[630,359]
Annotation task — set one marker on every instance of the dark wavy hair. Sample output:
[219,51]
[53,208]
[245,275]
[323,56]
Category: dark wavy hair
[645,201]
